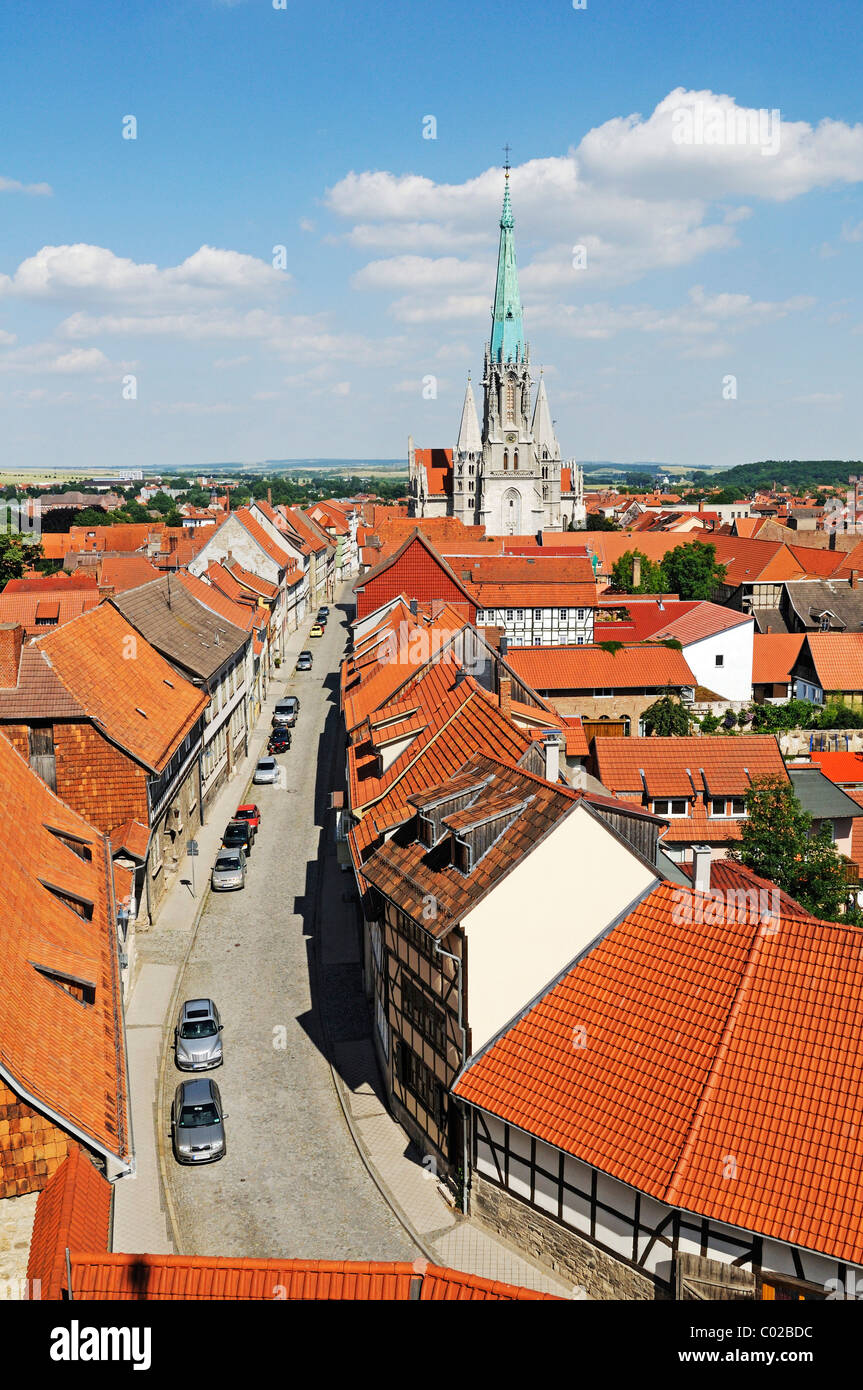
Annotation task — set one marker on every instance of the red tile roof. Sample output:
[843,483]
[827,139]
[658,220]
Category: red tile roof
[61,1056]
[73,1211]
[438,466]
[124,685]
[726,766]
[50,583]
[773,655]
[591,667]
[198,1277]
[37,610]
[837,658]
[121,572]
[842,768]
[735,1041]
[277,551]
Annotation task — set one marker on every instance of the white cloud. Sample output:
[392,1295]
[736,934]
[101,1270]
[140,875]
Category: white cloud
[95,273]
[41,190]
[47,357]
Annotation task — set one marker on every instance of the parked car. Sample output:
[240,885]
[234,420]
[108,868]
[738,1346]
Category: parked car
[229,870]
[317,630]
[285,712]
[198,1122]
[323,614]
[304,661]
[267,770]
[289,709]
[321,619]
[198,1036]
[238,834]
[251,813]
[279,741]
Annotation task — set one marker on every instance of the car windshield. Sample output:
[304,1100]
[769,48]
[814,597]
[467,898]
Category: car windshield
[205,1029]
[197,1116]
[266,764]
[228,861]
[237,832]
[245,815]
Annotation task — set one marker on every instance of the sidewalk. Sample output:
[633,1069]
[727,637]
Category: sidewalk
[140,1220]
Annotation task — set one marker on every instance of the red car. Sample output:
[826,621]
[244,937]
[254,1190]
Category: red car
[251,814]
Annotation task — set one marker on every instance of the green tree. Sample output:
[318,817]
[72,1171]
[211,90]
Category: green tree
[597,522]
[667,718]
[692,571]
[16,556]
[91,516]
[162,503]
[778,842]
[173,517]
[652,580]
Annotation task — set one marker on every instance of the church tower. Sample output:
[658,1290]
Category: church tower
[519,492]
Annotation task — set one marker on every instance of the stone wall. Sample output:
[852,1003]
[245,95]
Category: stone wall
[562,1250]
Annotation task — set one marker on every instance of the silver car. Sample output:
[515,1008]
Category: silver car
[198,1036]
[198,1122]
[267,770]
[285,713]
[304,661]
[229,870]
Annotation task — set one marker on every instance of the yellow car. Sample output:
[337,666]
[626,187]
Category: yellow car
[317,631]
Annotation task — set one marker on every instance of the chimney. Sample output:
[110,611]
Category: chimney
[415,608]
[460,676]
[769,628]
[701,868]
[636,571]
[551,743]
[854,578]
[504,645]
[504,692]
[269,496]
[11,642]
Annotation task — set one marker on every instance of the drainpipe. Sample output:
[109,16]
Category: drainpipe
[464,1159]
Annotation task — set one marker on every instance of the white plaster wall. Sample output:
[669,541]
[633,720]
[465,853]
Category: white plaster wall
[733,679]
[543,914]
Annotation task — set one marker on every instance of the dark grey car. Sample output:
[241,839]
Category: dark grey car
[198,1122]
[198,1036]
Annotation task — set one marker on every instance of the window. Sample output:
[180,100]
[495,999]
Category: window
[670,806]
[419,1010]
[717,806]
[509,615]
[462,856]
[581,613]
[416,1077]
[537,613]
[564,615]
[603,692]
[720,659]
[519,615]
[537,641]
[738,806]
[579,641]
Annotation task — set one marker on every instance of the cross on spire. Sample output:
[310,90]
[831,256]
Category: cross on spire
[506,150]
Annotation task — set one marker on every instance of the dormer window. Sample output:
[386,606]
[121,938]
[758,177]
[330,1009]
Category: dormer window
[462,857]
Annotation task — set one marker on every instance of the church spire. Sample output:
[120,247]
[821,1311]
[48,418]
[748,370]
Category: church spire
[542,427]
[507,330]
[469,438]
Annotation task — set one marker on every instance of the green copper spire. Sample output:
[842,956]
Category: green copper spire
[507,330]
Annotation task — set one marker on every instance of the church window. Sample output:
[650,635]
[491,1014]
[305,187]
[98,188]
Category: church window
[545,453]
[515,459]
[510,400]
[506,459]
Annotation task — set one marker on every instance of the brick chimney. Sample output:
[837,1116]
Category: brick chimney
[269,496]
[636,571]
[11,642]
[505,694]
[854,578]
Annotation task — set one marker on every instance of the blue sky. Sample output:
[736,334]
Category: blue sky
[302,128]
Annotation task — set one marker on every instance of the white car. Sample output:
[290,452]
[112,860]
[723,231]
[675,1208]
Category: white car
[267,770]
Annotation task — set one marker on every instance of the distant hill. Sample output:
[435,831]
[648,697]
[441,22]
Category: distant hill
[799,474]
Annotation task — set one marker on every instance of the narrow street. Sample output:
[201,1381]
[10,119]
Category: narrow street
[292,1182]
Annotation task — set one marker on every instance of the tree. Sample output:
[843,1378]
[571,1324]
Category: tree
[666,718]
[652,580]
[16,555]
[173,517]
[597,521]
[162,503]
[692,571]
[777,842]
[91,516]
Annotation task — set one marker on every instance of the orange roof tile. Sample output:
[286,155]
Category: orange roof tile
[837,658]
[73,1211]
[591,667]
[61,1056]
[773,655]
[136,697]
[734,1041]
